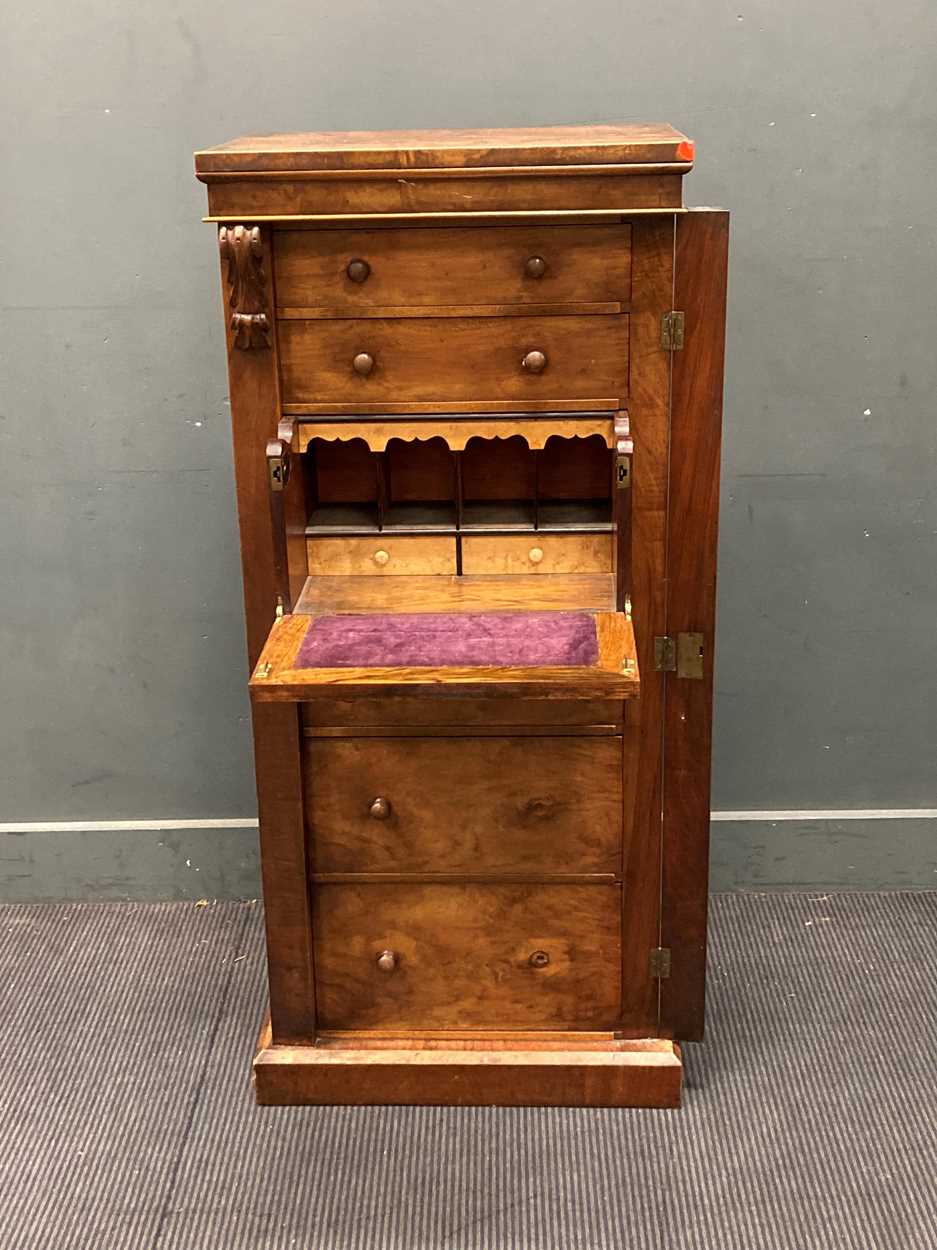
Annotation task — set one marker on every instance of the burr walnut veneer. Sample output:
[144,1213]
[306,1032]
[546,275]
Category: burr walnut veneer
[476,388]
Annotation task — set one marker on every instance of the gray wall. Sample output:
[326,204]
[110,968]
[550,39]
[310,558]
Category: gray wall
[123,659]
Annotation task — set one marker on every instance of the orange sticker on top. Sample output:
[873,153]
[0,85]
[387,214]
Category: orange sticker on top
[686,150]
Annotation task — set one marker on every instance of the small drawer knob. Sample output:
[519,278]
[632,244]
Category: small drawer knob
[381,557]
[539,959]
[379,809]
[536,267]
[363,363]
[535,555]
[358,270]
[387,961]
[534,362]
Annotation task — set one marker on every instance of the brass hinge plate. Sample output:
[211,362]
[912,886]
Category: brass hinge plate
[660,962]
[682,655]
[672,328]
[665,654]
[278,464]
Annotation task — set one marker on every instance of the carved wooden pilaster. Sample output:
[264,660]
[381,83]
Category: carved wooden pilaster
[242,251]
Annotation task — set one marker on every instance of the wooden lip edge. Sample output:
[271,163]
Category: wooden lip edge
[399,215]
[405,174]
[419,312]
[315,410]
[642,1052]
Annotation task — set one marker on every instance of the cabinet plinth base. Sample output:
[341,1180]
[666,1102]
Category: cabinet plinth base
[485,1071]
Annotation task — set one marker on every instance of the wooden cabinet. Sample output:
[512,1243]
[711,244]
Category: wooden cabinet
[476,396]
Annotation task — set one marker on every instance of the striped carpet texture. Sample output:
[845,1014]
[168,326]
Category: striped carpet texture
[126,1118]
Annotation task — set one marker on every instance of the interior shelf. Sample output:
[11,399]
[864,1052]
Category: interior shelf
[346,518]
[575,514]
[498,514]
[498,485]
[427,517]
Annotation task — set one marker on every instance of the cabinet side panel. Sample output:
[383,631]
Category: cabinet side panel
[253,379]
[652,291]
[696,428]
[277,735]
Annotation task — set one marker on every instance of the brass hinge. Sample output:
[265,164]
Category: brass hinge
[278,464]
[672,326]
[665,654]
[279,611]
[660,962]
[682,655]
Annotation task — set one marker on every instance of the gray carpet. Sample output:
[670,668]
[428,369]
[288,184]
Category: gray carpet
[126,1118]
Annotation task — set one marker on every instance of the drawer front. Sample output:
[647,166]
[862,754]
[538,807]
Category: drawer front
[380,555]
[464,805]
[455,359]
[467,956]
[464,715]
[358,270]
[537,553]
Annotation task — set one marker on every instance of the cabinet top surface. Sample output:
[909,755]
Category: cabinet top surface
[617,144]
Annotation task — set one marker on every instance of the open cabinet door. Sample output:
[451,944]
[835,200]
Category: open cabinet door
[701,258]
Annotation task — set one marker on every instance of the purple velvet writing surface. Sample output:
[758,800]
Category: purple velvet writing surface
[457,639]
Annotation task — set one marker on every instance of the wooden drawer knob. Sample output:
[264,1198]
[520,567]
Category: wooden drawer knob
[363,363]
[358,270]
[536,267]
[387,961]
[534,362]
[381,557]
[535,555]
[539,959]
[379,809]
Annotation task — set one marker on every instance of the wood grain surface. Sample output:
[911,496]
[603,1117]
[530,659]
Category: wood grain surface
[418,269]
[588,592]
[353,557]
[540,554]
[614,675]
[612,143]
[463,955]
[453,1071]
[649,412]
[457,358]
[701,261]
[531,804]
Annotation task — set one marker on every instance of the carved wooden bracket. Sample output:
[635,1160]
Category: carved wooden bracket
[242,250]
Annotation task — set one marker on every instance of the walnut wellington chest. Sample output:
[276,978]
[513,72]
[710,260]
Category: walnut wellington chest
[476,383]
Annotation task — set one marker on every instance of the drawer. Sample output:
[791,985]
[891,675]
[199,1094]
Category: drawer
[358,270]
[464,805]
[382,554]
[454,359]
[467,956]
[537,553]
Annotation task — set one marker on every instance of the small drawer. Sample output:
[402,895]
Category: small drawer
[464,805]
[382,554]
[350,270]
[467,956]
[430,360]
[537,553]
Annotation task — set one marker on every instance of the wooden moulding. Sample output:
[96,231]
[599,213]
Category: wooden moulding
[536,432]
[250,199]
[495,1070]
